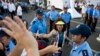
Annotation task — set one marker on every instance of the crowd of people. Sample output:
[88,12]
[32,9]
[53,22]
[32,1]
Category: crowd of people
[47,32]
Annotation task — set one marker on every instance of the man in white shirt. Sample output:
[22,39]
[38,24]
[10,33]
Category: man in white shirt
[5,6]
[83,11]
[11,8]
[19,11]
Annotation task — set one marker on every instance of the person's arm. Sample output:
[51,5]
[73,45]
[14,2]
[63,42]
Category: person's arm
[17,50]
[49,49]
[68,39]
[53,32]
[17,30]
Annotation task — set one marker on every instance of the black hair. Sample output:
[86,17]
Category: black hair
[2,53]
[65,7]
[2,34]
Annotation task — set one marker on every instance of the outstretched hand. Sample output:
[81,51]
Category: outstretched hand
[17,30]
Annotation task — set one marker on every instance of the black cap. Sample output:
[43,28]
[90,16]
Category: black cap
[82,29]
[39,12]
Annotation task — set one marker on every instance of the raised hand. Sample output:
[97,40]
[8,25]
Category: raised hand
[17,30]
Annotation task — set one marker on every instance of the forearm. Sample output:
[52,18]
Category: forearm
[53,32]
[43,51]
[31,47]
[17,50]
[44,35]
[32,52]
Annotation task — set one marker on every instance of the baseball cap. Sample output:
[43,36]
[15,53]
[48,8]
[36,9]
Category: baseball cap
[82,29]
[40,12]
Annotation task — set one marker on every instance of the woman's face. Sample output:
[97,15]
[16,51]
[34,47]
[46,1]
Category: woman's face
[59,27]
[5,40]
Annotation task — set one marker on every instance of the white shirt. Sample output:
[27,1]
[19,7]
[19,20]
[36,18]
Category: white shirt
[11,7]
[24,53]
[48,6]
[32,2]
[19,11]
[80,4]
[5,5]
[75,5]
[83,9]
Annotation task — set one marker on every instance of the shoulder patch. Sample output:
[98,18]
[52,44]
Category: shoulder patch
[85,53]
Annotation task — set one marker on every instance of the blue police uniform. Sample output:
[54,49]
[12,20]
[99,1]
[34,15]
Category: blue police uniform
[86,17]
[96,16]
[89,23]
[11,45]
[53,15]
[38,26]
[67,18]
[81,50]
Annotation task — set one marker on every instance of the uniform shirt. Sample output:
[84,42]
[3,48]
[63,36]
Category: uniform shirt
[38,26]
[81,50]
[10,48]
[53,15]
[96,14]
[88,10]
[66,17]
[91,12]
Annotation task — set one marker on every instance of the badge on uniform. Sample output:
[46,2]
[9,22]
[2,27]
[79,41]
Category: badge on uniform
[84,53]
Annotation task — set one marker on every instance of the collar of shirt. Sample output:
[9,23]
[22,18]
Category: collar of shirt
[79,48]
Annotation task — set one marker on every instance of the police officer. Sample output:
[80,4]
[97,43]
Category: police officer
[90,19]
[96,16]
[52,15]
[38,24]
[66,16]
[87,14]
[80,46]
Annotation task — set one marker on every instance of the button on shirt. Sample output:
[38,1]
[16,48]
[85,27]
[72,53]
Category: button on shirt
[38,26]
[66,17]
[78,50]
[53,15]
